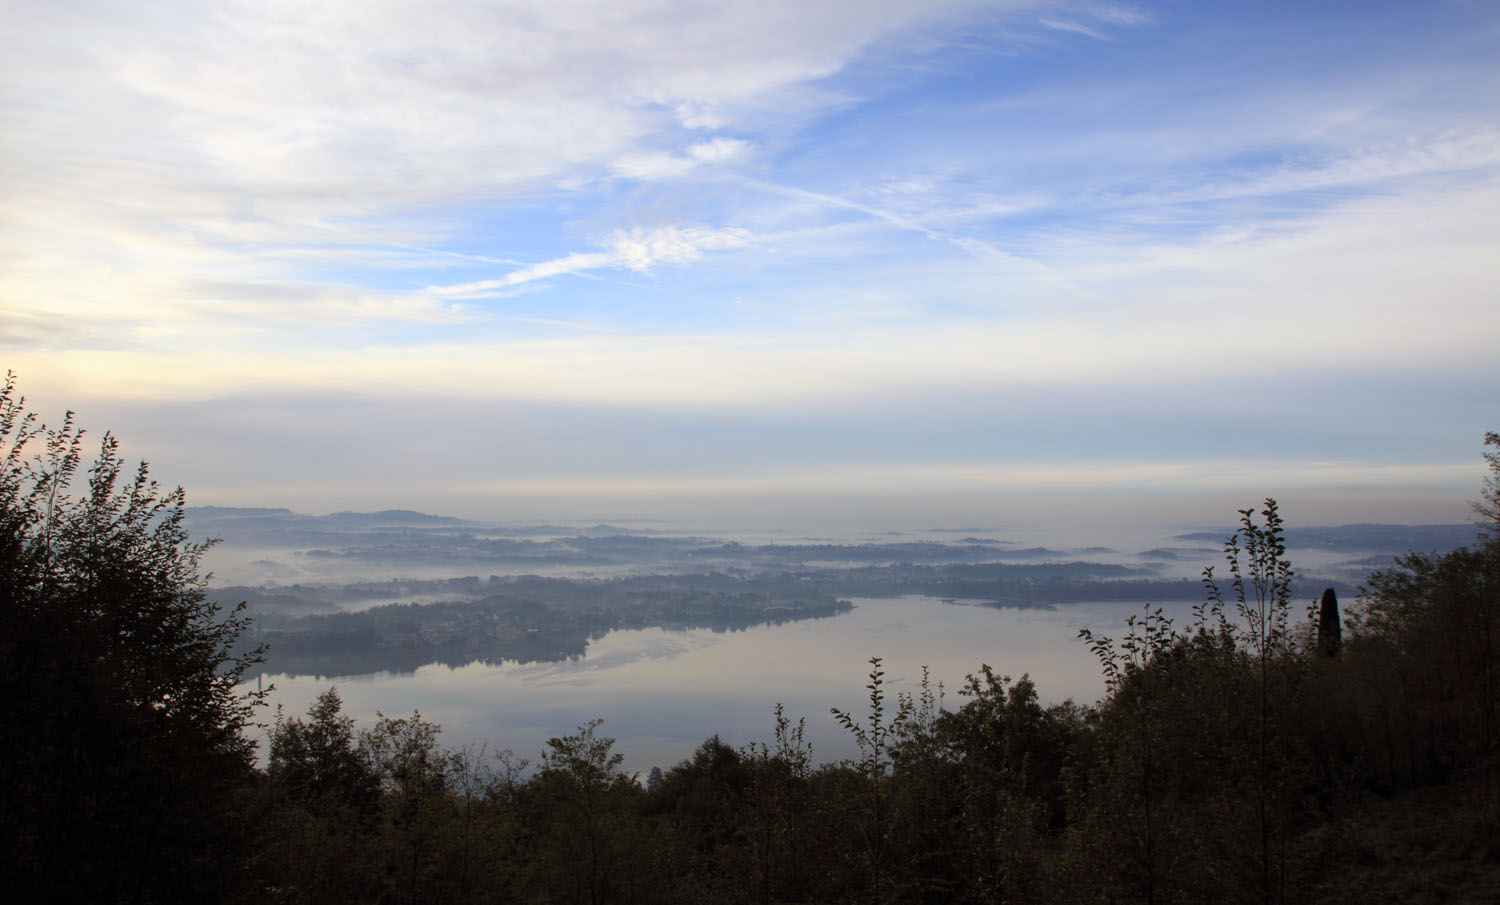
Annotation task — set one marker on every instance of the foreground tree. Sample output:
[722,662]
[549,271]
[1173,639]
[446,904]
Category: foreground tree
[324,797]
[1433,622]
[120,719]
[584,800]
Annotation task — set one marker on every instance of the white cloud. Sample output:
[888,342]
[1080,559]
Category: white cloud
[659,165]
[403,100]
[148,144]
[700,116]
[653,165]
[640,250]
[719,150]
[637,249]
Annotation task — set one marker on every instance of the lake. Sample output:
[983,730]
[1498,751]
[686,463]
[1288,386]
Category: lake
[662,692]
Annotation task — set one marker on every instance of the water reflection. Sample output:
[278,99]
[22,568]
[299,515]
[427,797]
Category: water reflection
[662,692]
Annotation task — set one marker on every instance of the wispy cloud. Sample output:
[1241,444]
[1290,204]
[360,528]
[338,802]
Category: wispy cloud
[235,138]
[762,208]
[638,250]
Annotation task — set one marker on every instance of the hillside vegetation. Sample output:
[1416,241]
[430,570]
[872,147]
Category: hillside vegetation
[1263,752]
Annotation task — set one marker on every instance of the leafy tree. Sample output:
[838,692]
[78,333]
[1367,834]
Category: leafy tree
[317,762]
[778,802]
[327,796]
[1261,582]
[470,778]
[1488,506]
[501,863]
[414,780]
[875,739]
[1010,783]
[1431,625]
[122,723]
[705,800]
[1133,767]
[1196,758]
[925,799]
[1423,650]
[586,799]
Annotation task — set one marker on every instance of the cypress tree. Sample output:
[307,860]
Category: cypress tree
[1330,630]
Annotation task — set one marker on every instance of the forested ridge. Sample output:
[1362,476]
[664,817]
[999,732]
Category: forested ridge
[1269,750]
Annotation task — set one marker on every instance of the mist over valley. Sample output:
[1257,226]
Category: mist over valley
[669,633]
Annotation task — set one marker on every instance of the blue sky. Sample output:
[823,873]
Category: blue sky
[667,257]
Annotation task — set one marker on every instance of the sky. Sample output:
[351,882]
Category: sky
[880,261]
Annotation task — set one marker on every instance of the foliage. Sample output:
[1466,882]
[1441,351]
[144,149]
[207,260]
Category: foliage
[875,739]
[1262,598]
[1010,756]
[325,795]
[1488,506]
[122,722]
[1434,621]
[318,764]
[586,800]
[776,831]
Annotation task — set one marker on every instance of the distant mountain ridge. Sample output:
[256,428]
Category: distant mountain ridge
[1367,536]
[383,516]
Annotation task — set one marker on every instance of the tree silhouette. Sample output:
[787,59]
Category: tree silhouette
[121,726]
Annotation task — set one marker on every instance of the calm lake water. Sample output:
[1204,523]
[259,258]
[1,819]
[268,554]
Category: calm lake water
[661,693]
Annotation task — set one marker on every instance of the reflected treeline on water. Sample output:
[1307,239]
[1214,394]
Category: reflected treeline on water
[509,627]
[333,625]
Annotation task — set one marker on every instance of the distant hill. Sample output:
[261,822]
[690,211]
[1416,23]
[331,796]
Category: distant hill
[393,517]
[1375,538]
